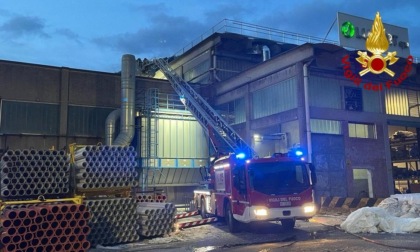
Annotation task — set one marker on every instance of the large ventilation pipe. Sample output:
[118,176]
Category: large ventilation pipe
[128,81]
[110,123]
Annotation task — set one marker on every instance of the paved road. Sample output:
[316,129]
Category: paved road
[320,234]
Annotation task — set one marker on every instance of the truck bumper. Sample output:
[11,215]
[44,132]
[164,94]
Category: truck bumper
[256,213]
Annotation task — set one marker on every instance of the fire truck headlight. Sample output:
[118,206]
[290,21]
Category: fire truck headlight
[309,208]
[260,212]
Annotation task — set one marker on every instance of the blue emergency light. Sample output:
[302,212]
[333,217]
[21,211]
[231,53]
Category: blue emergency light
[240,156]
[298,153]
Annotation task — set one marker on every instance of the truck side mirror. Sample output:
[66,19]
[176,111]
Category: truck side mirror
[313,174]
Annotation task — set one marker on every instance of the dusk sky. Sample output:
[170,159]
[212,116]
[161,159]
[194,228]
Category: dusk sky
[94,34]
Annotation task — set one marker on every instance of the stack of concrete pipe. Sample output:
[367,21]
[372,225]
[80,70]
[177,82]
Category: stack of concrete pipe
[156,219]
[113,221]
[53,227]
[30,173]
[100,167]
[150,198]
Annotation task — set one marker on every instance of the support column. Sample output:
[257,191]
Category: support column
[64,102]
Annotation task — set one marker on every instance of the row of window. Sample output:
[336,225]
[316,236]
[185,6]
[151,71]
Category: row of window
[356,130]
[40,118]
[323,93]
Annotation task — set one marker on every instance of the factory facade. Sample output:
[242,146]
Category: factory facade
[277,96]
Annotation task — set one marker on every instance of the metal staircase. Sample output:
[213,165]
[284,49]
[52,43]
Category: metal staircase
[209,119]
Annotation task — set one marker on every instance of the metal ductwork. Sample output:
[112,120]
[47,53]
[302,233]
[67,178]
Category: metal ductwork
[128,83]
[266,53]
[110,126]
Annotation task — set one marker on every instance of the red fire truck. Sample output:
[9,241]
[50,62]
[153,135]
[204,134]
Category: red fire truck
[241,190]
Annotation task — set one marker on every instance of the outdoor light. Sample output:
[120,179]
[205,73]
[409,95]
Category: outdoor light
[309,208]
[260,212]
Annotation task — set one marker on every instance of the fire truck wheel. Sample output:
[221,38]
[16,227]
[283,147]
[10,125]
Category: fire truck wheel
[232,224]
[203,211]
[288,224]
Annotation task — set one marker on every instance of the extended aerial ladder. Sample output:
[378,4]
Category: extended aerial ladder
[209,119]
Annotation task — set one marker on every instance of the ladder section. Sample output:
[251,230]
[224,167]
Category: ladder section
[149,137]
[203,112]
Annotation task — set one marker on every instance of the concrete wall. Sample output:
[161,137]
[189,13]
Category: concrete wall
[329,159]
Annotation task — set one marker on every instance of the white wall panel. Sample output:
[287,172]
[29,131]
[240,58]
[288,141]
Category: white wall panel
[181,139]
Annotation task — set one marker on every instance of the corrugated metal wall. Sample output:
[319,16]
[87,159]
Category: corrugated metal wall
[239,111]
[275,98]
[29,117]
[324,92]
[181,139]
[396,101]
[196,71]
[87,121]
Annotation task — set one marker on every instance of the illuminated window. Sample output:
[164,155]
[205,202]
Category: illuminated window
[359,130]
[325,126]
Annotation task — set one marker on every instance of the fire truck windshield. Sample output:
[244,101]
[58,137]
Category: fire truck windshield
[278,178]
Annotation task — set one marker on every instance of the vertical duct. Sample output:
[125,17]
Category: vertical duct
[266,53]
[110,126]
[128,82]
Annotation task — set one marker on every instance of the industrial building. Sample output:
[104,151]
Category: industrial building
[276,95]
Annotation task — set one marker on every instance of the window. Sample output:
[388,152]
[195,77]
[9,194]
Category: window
[402,102]
[325,126]
[396,102]
[29,117]
[233,112]
[360,130]
[353,99]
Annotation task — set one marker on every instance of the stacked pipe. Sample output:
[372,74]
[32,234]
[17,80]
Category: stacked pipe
[156,219]
[30,173]
[113,221]
[55,227]
[151,198]
[105,167]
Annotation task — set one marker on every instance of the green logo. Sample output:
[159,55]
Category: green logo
[347,29]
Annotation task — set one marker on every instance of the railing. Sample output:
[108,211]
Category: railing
[227,25]
[238,27]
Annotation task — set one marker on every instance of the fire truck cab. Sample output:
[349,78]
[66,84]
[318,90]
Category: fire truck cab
[241,190]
